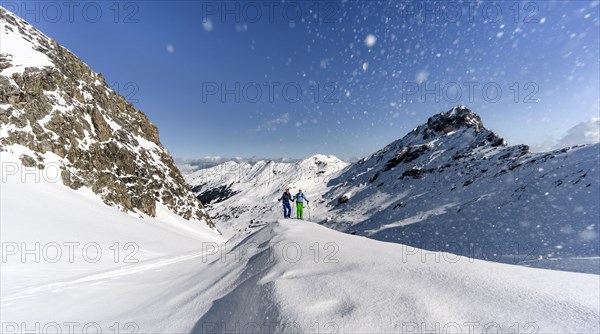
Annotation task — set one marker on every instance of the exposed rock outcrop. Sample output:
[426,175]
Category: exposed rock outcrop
[60,105]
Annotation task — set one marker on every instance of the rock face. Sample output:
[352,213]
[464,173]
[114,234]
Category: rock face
[50,101]
[455,119]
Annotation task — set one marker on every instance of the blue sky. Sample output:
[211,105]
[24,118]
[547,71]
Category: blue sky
[368,72]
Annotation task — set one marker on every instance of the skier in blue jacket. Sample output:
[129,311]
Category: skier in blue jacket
[286,198]
[300,199]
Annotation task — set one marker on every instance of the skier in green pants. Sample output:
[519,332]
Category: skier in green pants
[300,198]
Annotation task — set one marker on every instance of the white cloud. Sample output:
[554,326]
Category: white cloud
[583,133]
[272,124]
[170,48]
[587,132]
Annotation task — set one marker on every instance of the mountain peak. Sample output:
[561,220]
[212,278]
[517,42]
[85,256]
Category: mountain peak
[452,120]
[323,159]
[459,121]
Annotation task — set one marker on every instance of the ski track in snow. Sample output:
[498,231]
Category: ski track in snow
[102,277]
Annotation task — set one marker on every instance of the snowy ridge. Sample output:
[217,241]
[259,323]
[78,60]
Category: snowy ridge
[352,285]
[453,185]
[359,285]
[237,193]
[191,165]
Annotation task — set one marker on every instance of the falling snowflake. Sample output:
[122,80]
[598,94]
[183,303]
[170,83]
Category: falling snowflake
[370,40]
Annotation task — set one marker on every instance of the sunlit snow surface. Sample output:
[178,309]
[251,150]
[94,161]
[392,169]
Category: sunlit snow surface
[281,274]
[299,274]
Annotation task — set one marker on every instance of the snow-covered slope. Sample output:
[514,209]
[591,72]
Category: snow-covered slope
[55,109]
[51,233]
[453,185]
[300,277]
[236,193]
